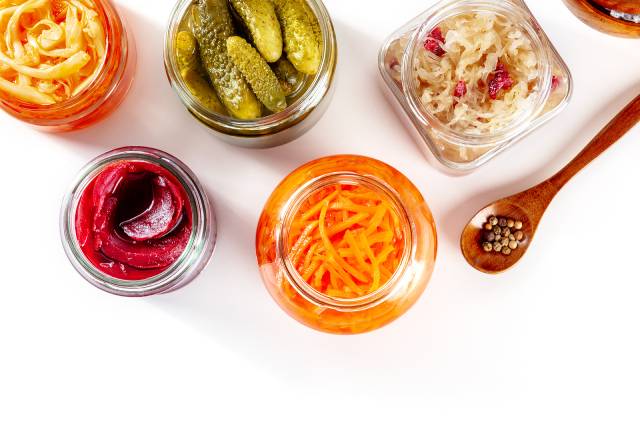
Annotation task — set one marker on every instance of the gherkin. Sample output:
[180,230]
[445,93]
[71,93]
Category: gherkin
[193,75]
[259,18]
[300,43]
[212,26]
[257,72]
[290,78]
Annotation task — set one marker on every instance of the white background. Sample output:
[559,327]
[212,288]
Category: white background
[552,342]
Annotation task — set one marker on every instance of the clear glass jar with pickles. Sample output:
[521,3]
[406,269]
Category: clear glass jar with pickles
[257,73]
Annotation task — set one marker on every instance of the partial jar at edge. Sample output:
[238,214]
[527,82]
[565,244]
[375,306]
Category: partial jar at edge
[274,129]
[452,151]
[318,309]
[193,258]
[101,97]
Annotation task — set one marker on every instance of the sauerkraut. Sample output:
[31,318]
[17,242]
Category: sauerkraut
[477,73]
[50,50]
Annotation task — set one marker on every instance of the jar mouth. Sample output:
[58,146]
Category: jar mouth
[316,89]
[292,206]
[64,111]
[451,8]
[198,246]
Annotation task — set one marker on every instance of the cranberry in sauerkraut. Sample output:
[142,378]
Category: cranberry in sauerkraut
[486,78]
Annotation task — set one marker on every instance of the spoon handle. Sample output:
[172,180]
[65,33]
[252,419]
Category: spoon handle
[620,125]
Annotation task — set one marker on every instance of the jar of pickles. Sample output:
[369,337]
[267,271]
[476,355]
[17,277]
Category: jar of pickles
[64,64]
[472,77]
[346,244]
[258,74]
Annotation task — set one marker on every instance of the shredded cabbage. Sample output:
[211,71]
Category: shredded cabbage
[50,50]
[476,46]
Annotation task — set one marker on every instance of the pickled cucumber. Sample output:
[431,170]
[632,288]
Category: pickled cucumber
[300,42]
[212,28]
[186,50]
[257,72]
[290,79]
[259,17]
[315,25]
[194,75]
[201,90]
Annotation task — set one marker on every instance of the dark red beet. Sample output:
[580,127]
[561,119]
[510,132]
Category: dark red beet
[434,42]
[461,89]
[133,220]
[501,80]
[163,214]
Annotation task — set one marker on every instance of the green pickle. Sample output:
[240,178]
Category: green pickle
[259,18]
[290,78]
[213,26]
[193,75]
[255,69]
[300,40]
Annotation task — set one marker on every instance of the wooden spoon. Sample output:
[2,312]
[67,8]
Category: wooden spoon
[529,205]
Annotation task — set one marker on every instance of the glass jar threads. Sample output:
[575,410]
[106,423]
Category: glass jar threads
[137,222]
[63,81]
[467,107]
[307,95]
[346,244]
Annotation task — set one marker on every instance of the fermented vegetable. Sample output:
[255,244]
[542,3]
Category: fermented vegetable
[477,72]
[346,240]
[50,50]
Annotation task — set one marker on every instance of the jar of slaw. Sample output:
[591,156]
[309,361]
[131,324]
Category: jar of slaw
[137,222]
[416,68]
[346,244]
[305,108]
[94,62]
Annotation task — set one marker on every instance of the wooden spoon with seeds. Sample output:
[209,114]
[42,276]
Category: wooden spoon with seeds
[530,205]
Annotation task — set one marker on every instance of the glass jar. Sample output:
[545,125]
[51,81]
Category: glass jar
[194,257]
[274,129]
[616,17]
[318,309]
[99,98]
[456,151]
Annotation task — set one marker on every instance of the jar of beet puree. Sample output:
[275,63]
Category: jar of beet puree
[346,244]
[137,222]
[101,93]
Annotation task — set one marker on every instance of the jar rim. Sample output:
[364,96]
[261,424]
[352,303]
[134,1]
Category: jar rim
[201,241]
[64,112]
[295,278]
[449,8]
[293,114]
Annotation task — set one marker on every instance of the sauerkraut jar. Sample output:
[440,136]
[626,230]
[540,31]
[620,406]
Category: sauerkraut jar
[346,244]
[64,64]
[473,77]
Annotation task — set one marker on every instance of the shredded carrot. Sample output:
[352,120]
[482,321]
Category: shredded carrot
[346,240]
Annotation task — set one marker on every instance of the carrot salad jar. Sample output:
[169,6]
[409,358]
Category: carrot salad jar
[346,244]
[64,65]
[473,77]
[137,222]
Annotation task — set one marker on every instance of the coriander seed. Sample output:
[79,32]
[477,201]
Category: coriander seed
[513,245]
[519,235]
[518,225]
[493,220]
[506,251]
[488,247]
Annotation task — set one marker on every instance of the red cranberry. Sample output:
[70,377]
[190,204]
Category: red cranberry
[434,42]
[555,82]
[500,80]
[461,89]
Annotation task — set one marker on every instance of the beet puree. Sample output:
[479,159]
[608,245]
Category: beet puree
[133,220]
